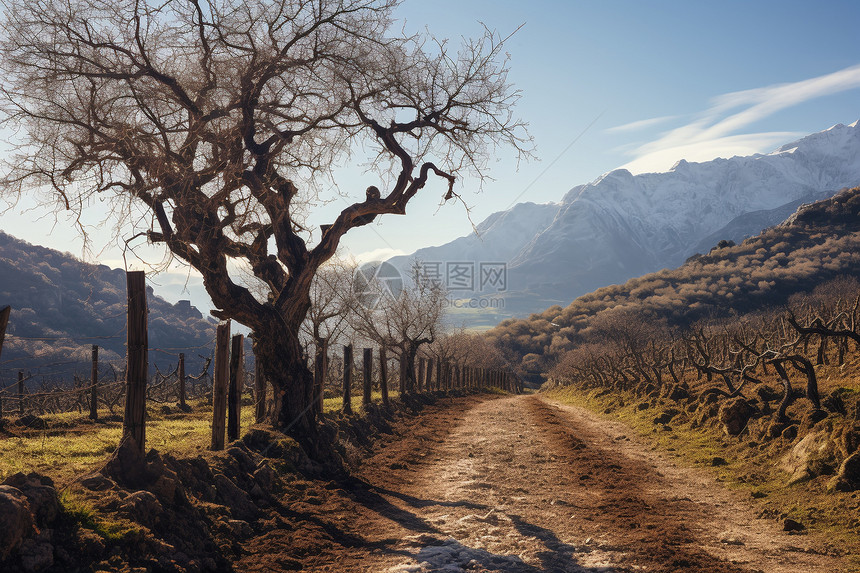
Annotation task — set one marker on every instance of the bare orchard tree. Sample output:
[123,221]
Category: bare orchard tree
[327,319]
[331,302]
[222,121]
[403,319]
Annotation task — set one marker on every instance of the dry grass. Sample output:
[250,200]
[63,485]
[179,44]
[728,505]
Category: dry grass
[752,462]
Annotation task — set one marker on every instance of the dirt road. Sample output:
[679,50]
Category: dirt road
[521,484]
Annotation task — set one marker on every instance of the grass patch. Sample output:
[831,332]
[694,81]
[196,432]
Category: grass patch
[110,529]
[496,390]
[335,404]
[73,445]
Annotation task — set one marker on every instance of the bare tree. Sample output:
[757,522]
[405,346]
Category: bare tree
[403,321]
[331,302]
[220,121]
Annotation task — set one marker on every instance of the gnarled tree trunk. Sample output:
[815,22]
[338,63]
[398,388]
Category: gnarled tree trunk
[284,365]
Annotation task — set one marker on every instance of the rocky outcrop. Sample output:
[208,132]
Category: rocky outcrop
[163,513]
[16,520]
[734,415]
[812,456]
[29,508]
[848,476]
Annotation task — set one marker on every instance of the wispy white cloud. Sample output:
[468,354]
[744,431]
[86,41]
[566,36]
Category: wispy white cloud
[715,132]
[749,144]
[641,124]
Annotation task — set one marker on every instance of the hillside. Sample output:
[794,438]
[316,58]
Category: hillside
[61,306]
[819,242]
[622,225]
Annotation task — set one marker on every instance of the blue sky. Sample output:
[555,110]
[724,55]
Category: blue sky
[609,83]
[640,85]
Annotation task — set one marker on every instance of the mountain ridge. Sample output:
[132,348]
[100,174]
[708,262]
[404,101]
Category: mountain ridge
[622,225]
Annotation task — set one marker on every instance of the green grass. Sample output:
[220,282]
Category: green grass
[73,445]
[335,404]
[110,529]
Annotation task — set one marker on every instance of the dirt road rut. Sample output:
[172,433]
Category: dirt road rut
[525,485]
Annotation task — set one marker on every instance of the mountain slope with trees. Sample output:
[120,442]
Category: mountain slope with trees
[61,306]
[819,242]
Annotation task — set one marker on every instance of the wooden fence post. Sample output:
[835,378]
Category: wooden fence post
[20,392]
[347,379]
[237,382]
[420,380]
[320,369]
[219,384]
[383,375]
[94,389]
[439,374]
[134,419]
[4,320]
[368,377]
[194,386]
[428,381]
[181,373]
[259,393]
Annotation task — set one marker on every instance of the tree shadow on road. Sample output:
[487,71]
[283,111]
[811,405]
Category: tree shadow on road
[419,503]
[435,550]
[558,554]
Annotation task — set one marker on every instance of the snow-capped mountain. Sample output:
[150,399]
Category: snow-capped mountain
[623,225]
